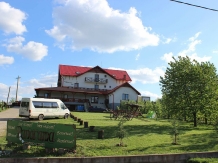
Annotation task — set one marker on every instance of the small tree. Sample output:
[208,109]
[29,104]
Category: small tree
[121,133]
[175,131]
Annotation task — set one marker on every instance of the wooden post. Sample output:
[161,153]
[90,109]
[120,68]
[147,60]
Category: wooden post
[100,134]
[91,128]
[86,125]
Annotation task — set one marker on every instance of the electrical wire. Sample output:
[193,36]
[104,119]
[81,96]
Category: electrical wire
[194,5]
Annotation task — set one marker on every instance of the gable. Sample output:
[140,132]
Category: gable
[125,85]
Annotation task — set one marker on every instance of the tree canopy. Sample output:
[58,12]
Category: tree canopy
[190,89]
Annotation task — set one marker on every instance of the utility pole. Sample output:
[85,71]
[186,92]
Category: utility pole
[8,94]
[18,78]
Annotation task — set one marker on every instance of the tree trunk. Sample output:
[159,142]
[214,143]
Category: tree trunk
[205,119]
[195,119]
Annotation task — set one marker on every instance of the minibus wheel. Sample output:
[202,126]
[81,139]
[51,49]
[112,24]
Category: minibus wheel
[66,116]
[41,116]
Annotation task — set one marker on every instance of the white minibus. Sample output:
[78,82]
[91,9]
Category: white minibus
[43,108]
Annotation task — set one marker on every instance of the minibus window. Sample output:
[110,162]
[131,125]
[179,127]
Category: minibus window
[47,105]
[37,104]
[54,105]
[63,106]
[24,104]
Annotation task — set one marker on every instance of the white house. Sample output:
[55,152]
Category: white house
[90,86]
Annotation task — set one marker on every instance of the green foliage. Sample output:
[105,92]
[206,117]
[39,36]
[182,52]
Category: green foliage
[190,88]
[175,131]
[121,133]
[12,100]
[202,160]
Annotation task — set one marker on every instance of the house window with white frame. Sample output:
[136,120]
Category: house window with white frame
[94,99]
[125,96]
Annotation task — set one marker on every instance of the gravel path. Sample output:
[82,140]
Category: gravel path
[11,113]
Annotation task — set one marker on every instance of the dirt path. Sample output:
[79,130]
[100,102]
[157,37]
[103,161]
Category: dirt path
[12,113]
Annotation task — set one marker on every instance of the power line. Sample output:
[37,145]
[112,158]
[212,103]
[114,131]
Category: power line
[194,5]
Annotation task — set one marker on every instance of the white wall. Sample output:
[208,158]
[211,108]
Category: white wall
[118,94]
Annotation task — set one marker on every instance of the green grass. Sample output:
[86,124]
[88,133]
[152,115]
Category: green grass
[203,160]
[145,136]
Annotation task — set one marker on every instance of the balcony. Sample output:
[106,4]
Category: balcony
[96,80]
[67,99]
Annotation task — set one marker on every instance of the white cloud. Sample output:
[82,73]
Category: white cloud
[167,57]
[11,19]
[137,56]
[6,60]
[215,51]
[190,51]
[95,25]
[146,75]
[167,41]
[27,88]
[150,94]
[32,50]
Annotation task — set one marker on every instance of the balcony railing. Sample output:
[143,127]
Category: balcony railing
[67,99]
[96,80]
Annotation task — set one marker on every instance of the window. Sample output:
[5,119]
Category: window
[96,77]
[65,96]
[47,105]
[96,86]
[40,104]
[37,104]
[76,85]
[105,86]
[47,95]
[125,97]
[24,104]
[105,76]
[94,99]
[54,105]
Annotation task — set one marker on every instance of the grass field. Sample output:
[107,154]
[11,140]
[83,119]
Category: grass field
[145,136]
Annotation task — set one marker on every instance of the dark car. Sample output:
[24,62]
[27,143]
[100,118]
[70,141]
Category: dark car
[96,109]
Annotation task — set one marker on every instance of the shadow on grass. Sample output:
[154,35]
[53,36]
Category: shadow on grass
[132,130]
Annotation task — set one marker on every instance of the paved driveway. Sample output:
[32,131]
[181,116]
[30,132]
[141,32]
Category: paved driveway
[12,113]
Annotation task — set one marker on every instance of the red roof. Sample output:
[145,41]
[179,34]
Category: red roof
[67,70]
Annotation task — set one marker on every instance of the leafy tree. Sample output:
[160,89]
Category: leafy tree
[189,88]
[12,100]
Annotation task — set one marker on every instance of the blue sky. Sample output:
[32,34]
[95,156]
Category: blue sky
[139,36]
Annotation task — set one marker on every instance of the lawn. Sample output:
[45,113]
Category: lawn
[145,136]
